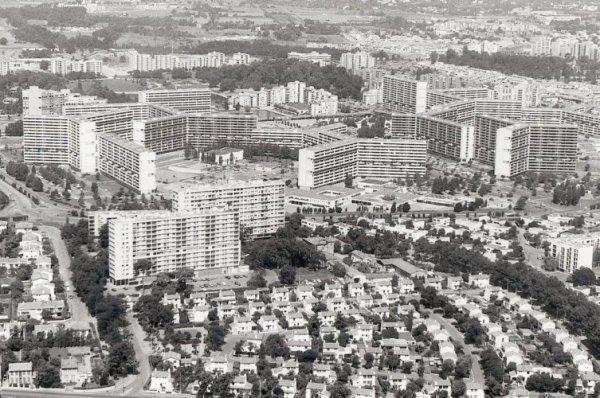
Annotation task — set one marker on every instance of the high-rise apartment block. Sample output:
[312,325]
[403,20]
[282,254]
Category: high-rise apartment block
[357,60]
[535,147]
[184,99]
[332,162]
[403,94]
[206,242]
[259,203]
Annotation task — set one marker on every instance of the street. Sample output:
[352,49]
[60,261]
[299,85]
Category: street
[15,393]
[142,351]
[476,371]
[79,311]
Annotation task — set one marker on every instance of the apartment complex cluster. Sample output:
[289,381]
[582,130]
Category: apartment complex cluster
[95,136]
[295,97]
[564,45]
[334,156]
[468,124]
[56,65]
[150,62]
[201,233]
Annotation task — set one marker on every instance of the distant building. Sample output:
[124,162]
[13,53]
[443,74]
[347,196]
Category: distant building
[402,94]
[321,59]
[574,251]
[183,99]
[21,375]
[226,156]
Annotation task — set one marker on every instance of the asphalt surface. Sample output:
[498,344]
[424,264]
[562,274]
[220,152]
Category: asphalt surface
[79,311]
[142,351]
[476,371]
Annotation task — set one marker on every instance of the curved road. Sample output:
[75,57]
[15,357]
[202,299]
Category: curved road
[45,214]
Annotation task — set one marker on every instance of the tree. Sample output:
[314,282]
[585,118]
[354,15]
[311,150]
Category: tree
[405,207]
[153,313]
[543,382]
[3,41]
[339,390]
[338,270]
[458,207]
[583,277]
[48,376]
[142,265]
[348,181]
[121,359]
[275,346]
[520,205]
[257,280]
[14,129]
[287,275]
[393,208]
[103,237]
[215,337]
[459,388]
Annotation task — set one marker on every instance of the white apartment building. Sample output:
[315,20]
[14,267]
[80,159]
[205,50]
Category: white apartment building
[260,203]
[81,144]
[391,158]
[330,163]
[185,100]
[357,60]
[321,59]
[56,65]
[574,251]
[324,107]
[327,164]
[535,147]
[402,94]
[207,242]
[127,162]
[148,62]
[60,140]
[43,102]
[37,101]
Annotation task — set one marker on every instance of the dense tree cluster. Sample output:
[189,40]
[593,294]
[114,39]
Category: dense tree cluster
[4,200]
[99,90]
[18,170]
[89,276]
[580,316]
[259,151]
[384,244]
[376,128]
[583,277]
[276,253]
[105,37]
[285,248]
[546,67]
[568,193]
[493,369]
[281,71]
[14,129]
[152,313]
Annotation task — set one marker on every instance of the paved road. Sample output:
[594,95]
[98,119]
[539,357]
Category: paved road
[79,311]
[535,258]
[142,351]
[14,393]
[44,213]
[476,371]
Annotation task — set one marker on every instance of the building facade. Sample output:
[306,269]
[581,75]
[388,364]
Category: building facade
[260,203]
[207,242]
